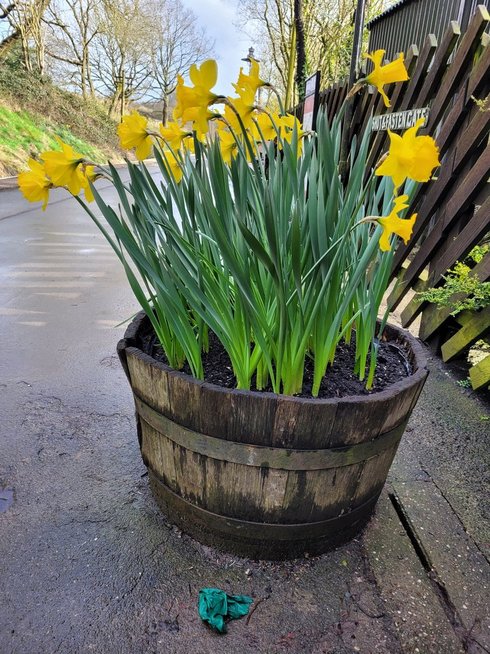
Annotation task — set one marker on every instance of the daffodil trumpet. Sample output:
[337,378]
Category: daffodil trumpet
[410,156]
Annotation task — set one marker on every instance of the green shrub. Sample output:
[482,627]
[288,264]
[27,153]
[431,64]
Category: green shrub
[459,280]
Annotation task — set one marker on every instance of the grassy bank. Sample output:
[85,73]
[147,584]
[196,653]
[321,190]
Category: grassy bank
[33,112]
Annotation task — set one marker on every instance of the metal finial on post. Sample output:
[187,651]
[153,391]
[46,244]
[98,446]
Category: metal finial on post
[251,56]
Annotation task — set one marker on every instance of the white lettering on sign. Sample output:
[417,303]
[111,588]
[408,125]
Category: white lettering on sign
[400,119]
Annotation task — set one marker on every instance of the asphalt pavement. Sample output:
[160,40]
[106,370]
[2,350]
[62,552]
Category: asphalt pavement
[89,564]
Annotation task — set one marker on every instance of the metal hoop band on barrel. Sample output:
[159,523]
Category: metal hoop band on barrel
[267,457]
[186,513]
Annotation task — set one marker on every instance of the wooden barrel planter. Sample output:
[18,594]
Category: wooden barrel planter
[259,474]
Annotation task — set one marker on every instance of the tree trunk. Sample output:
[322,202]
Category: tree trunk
[114,102]
[40,55]
[164,109]
[300,50]
[25,52]
[90,80]
[123,83]
[83,77]
[38,41]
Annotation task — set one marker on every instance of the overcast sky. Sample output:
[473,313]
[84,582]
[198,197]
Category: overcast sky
[231,45]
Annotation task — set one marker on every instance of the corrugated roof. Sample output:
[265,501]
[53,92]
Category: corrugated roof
[387,12]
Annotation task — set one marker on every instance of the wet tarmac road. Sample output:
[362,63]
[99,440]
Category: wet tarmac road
[61,283]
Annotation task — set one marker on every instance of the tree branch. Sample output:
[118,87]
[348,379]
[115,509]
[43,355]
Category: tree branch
[6,10]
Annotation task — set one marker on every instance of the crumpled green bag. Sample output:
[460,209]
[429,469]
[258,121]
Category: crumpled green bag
[215,605]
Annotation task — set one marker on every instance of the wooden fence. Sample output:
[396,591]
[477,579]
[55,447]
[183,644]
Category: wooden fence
[454,208]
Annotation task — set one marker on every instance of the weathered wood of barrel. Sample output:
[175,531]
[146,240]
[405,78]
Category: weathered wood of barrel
[222,461]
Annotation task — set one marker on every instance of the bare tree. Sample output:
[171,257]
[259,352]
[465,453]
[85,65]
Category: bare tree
[179,43]
[72,27]
[122,65]
[24,18]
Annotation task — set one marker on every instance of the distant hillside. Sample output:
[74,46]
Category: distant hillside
[33,112]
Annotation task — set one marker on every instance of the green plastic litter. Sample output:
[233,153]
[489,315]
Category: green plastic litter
[215,606]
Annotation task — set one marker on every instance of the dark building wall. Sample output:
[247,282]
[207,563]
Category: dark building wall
[409,21]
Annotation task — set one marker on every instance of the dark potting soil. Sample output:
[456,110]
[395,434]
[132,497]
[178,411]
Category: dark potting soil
[339,381]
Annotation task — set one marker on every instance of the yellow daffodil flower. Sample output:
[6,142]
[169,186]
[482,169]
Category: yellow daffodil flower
[34,184]
[200,95]
[189,145]
[65,168]
[265,122]
[172,164]
[192,103]
[244,105]
[175,170]
[395,71]
[273,124]
[393,224]
[199,117]
[410,156]
[227,144]
[288,124]
[173,134]
[133,133]
[89,175]
[251,81]
[206,76]
[182,98]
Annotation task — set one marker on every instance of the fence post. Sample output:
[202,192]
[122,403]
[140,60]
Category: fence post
[349,108]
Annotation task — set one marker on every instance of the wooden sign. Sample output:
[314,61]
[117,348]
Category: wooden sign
[400,119]
[312,88]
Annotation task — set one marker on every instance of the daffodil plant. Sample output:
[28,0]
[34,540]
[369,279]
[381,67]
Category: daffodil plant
[250,232]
